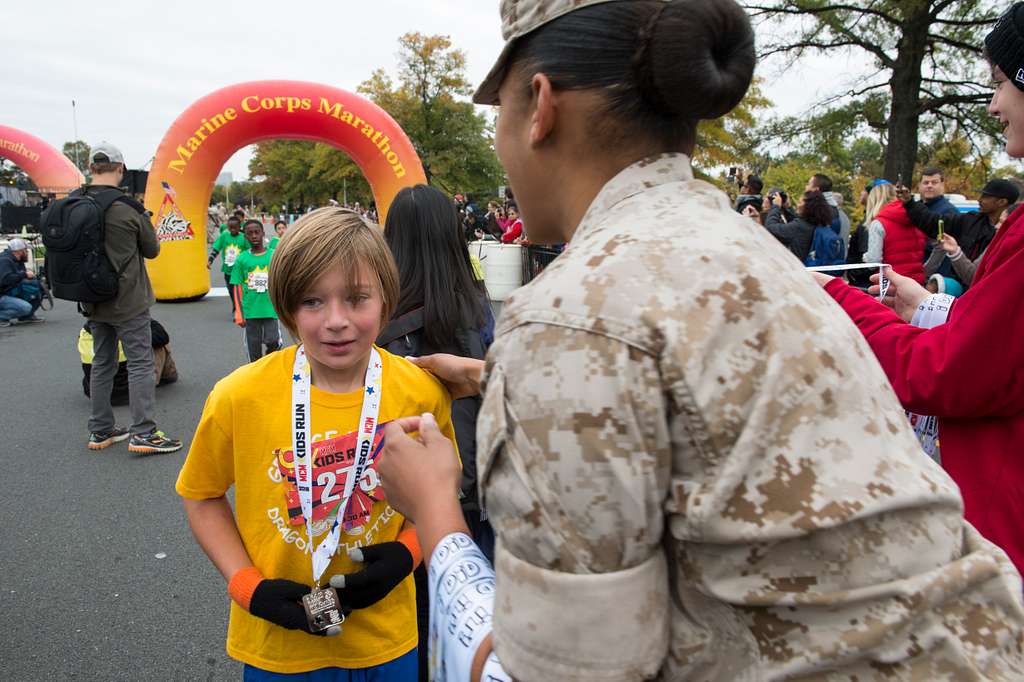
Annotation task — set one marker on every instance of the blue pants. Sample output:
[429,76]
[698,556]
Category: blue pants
[402,669]
[12,307]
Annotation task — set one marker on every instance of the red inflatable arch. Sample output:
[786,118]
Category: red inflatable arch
[206,135]
[50,170]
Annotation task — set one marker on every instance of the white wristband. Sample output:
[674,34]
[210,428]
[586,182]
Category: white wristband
[461,585]
[933,311]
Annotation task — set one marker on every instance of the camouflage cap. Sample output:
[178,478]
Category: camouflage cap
[519,17]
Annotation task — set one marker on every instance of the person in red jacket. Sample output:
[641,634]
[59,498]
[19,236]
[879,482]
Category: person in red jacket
[514,229]
[902,243]
[968,371]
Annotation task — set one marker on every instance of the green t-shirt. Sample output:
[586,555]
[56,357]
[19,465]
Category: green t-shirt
[252,271]
[230,249]
[273,243]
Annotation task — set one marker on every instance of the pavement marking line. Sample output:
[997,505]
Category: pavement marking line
[216,292]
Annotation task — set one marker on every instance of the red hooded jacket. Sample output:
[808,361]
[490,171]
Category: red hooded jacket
[969,372]
[903,247]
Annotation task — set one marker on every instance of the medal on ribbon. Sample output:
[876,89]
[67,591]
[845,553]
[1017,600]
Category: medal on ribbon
[323,608]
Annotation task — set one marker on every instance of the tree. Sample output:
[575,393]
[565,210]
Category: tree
[298,173]
[78,153]
[454,141]
[724,141]
[927,56]
[339,175]
[965,171]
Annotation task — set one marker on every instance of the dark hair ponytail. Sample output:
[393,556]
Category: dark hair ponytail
[434,269]
[664,66]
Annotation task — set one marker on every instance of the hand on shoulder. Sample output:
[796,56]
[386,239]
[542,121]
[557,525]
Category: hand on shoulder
[461,376]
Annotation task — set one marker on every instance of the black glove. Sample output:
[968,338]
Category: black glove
[387,565]
[280,602]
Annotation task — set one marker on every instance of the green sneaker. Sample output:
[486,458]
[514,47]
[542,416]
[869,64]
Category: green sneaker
[153,443]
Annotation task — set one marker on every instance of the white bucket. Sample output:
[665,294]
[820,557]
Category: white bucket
[503,267]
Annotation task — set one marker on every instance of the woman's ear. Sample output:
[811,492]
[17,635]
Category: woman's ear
[545,110]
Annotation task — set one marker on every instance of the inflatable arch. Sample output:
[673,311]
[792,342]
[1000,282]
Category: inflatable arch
[205,136]
[52,172]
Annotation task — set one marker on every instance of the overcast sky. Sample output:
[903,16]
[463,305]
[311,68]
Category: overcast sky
[133,67]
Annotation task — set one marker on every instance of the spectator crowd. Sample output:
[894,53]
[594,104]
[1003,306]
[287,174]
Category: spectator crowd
[921,235]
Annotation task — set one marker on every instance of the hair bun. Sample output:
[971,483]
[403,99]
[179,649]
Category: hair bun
[700,58]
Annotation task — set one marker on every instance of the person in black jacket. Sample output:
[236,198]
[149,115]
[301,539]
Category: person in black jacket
[473,226]
[442,308]
[972,231]
[12,274]
[797,233]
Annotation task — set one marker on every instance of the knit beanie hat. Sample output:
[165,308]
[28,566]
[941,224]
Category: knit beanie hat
[1005,44]
[947,285]
[953,287]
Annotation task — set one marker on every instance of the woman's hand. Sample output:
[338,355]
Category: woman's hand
[903,294]
[418,474]
[461,376]
[949,244]
[421,479]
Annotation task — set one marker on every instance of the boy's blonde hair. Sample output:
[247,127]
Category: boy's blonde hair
[319,241]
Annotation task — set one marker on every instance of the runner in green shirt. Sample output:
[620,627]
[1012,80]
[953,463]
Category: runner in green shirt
[249,280]
[229,245]
[279,228]
[237,214]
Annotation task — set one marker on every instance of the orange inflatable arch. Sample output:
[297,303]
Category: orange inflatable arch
[205,136]
[50,170]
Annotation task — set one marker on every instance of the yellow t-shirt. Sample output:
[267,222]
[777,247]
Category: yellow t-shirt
[244,438]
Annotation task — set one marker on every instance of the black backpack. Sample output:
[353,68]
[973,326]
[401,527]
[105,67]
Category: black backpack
[74,232]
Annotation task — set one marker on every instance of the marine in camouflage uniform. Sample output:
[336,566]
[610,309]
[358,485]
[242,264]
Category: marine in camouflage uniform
[698,470]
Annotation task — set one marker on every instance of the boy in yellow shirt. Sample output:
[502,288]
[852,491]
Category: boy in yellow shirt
[297,434]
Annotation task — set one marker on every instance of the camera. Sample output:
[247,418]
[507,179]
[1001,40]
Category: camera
[745,200]
[778,192]
[134,182]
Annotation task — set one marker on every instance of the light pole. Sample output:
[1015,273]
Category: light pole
[74,121]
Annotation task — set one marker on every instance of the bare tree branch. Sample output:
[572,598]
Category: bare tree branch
[760,10]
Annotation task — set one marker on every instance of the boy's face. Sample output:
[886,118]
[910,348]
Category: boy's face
[234,228]
[279,229]
[254,234]
[338,324]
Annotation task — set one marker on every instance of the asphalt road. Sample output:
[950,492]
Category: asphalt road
[83,594]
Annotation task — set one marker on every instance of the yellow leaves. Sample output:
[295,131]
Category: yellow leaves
[722,141]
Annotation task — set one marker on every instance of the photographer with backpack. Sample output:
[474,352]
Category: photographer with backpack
[810,236]
[96,241]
